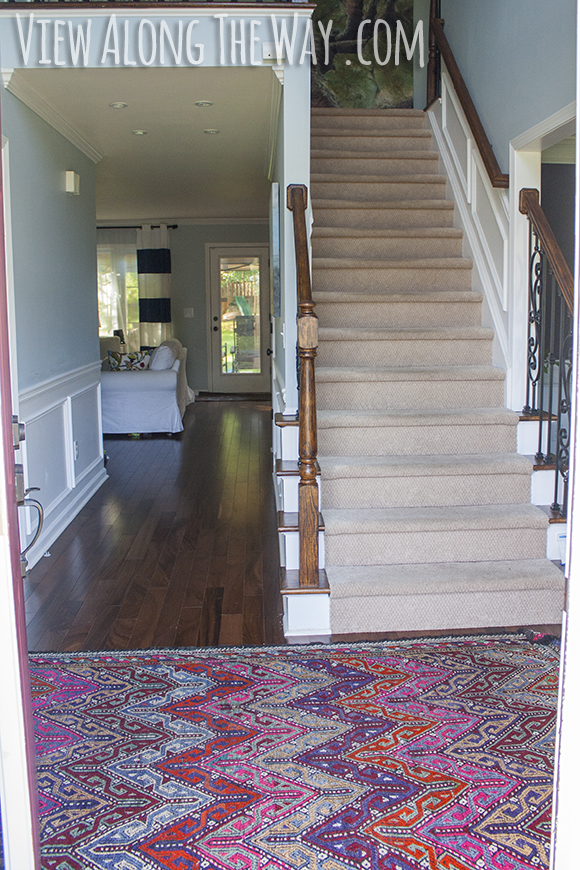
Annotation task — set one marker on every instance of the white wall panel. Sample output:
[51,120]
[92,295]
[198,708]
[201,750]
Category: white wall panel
[58,413]
[482,211]
[492,230]
[46,457]
[86,432]
[457,137]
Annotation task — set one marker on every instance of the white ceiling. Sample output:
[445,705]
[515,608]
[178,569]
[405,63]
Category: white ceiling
[562,152]
[176,170]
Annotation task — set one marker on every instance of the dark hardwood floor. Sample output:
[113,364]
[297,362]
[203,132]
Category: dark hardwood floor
[178,548]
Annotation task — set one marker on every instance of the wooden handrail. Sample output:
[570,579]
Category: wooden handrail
[438,44]
[297,200]
[530,206]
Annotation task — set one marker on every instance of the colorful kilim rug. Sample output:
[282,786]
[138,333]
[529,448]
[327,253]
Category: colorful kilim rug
[394,756]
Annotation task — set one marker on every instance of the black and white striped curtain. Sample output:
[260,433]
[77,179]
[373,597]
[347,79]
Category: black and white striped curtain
[154,274]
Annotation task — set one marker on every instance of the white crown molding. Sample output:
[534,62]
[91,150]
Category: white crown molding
[181,222]
[18,86]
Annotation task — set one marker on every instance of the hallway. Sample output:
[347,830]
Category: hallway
[178,548]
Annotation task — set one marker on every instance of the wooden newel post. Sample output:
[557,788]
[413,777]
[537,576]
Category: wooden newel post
[307,343]
[434,62]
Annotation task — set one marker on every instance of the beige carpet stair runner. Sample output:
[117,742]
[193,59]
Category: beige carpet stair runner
[426,502]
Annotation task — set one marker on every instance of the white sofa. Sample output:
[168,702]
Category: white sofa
[145,401]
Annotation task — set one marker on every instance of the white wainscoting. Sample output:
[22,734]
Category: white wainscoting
[63,451]
[482,211]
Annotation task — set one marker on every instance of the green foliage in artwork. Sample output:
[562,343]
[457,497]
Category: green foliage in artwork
[344,81]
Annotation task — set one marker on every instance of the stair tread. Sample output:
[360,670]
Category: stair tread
[405,333]
[324,111]
[328,374]
[449,518]
[444,416]
[406,178]
[368,263]
[468,577]
[319,232]
[420,296]
[321,203]
[339,467]
[329,153]
[400,133]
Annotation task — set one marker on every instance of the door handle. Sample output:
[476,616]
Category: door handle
[34,503]
[23,501]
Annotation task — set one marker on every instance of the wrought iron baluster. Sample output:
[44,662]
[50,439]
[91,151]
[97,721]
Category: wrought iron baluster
[563,423]
[551,355]
[534,323]
[549,352]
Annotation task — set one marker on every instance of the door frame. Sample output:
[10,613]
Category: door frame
[18,786]
[261,249]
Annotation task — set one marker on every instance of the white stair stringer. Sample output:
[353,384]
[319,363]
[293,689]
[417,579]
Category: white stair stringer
[426,502]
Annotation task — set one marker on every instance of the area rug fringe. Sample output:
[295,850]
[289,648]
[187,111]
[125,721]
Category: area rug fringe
[526,635]
[393,755]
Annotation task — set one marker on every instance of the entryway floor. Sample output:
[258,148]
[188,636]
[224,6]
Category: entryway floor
[178,548]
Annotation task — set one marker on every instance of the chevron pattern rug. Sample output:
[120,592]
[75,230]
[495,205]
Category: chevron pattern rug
[430,754]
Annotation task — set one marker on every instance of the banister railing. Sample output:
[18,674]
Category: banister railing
[307,342]
[549,369]
[439,48]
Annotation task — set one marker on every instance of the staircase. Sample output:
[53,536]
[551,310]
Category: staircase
[426,504]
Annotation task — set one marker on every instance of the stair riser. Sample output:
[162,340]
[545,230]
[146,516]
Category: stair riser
[375,165]
[398,314]
[406,395]
[337,121]
[425,546]
[385,248]
[370,144]
[353,280]
[416,440]
[400,492]
[376,219]
[405,353]
[378,191]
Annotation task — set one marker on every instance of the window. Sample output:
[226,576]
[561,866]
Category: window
[118,291]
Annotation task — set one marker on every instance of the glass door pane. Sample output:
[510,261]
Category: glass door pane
[239,279]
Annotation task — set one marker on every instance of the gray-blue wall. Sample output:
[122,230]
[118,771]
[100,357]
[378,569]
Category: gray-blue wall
[188,286]
[518,58]
[54,248]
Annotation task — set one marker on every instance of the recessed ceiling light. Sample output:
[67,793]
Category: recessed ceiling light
[139,132]
[211,132]
[204,103]
[118,105]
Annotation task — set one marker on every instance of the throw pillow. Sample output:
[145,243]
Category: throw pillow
[163,358]
[133,362]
